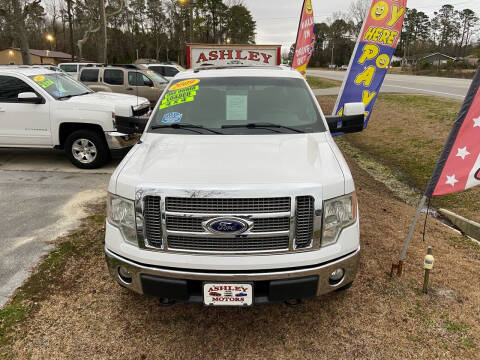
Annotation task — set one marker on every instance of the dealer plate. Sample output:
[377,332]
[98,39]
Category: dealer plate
[226,294]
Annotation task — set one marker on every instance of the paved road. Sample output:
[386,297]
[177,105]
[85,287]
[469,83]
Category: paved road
[428,85]
[41,197]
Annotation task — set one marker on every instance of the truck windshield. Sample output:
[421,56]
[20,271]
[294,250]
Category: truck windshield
[60,85]
[239,105]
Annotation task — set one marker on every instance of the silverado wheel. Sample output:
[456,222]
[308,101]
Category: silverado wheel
[87,149]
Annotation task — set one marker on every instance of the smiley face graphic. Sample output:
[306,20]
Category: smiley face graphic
[379,10]
[308,7]
[383,61]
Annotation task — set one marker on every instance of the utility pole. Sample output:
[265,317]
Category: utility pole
[70,28]
[191,20]
[333,47]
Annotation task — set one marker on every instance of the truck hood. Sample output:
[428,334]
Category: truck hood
[203,161]
[121,104]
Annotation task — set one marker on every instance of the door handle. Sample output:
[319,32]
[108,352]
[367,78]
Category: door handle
[129,88]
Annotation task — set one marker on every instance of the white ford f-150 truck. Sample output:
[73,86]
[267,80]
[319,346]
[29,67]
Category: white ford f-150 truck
[236,193]
[40,108]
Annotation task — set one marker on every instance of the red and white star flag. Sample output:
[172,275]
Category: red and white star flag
[459,166]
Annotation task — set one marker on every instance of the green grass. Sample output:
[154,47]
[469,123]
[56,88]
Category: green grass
[322,83]
[37,287]
[407,133]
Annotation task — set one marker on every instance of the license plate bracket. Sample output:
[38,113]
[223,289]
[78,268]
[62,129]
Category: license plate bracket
[227,294]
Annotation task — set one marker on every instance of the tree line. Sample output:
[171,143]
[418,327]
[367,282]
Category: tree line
[449,31]
[120,31]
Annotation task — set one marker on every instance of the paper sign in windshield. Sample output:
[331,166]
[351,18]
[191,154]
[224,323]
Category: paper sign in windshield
[42,81]
[237,107]
[177,97]
[184,84]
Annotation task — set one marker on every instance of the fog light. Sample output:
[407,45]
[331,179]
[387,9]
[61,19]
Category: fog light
[125,275]
[336,276]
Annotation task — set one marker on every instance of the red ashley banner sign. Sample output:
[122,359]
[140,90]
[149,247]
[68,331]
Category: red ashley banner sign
[224,55]
[459,165]
[305,39]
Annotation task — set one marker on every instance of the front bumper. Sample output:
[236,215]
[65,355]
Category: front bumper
[269,285]
[120,143]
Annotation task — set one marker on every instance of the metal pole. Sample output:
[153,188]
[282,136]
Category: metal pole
[403,254]
[333,46]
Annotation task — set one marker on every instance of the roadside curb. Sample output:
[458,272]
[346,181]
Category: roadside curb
[468,227]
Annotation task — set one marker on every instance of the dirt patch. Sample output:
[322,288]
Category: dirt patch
[78,312]
[407,134]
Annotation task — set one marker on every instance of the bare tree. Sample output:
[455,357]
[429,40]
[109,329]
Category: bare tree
[103,25]
[19,17]
[358,12]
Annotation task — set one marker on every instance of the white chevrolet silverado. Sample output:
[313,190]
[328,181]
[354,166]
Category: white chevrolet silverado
[236,194]
[40,108]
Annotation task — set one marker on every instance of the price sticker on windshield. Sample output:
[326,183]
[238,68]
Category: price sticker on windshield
[42,81]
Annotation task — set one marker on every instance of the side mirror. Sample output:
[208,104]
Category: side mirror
[29,98]
[351,121]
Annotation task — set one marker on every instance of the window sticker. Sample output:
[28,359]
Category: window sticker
[180,96]
[44,83]
[184,84]
[39,78]
[172,118]
[237,107]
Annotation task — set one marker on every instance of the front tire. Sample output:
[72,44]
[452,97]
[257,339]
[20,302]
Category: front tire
[87,149]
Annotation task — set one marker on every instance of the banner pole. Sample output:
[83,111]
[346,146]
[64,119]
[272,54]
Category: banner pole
[403,254]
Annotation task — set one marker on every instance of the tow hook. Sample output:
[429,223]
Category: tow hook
[166,302]
[293,302]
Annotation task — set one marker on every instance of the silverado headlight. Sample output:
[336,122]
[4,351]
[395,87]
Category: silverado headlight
[121,214]
[338,213]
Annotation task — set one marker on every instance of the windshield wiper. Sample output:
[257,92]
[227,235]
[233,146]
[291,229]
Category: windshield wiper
[190,127]
[262,125]
[69,96]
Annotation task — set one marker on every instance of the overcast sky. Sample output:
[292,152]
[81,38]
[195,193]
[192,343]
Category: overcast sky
[277,20]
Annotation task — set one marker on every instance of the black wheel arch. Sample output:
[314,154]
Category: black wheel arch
[67,128]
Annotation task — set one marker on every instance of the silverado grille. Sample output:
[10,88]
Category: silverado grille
[236,244]
[141,112]
[228,206]
[304,221]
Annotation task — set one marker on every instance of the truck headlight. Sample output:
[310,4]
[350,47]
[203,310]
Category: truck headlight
[338,213]
[121,214]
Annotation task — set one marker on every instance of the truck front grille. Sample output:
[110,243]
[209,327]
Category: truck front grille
[228,206]
[304,222]
[237,244]
[194,224]
[152,221]
[271,230]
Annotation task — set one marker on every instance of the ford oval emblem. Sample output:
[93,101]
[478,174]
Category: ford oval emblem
[231,226]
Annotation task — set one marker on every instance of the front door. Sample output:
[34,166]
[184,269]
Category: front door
[143,86]
[22,124]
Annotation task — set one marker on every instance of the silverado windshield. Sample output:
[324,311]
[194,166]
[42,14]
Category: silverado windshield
[238,105]
[60,85]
